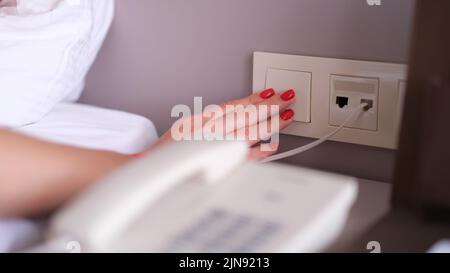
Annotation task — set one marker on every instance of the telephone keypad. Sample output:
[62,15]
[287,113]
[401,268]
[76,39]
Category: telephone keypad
[225,231]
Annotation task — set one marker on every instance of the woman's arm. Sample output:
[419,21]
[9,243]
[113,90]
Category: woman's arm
[36,177]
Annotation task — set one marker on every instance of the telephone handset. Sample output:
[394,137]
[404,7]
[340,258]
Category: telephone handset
[103,212]
[205,197]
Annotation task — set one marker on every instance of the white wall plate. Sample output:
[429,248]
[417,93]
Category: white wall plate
[317,113]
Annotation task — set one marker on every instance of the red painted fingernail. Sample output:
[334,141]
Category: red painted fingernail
[267,94]
[141,155]
[288,95]
[287,114]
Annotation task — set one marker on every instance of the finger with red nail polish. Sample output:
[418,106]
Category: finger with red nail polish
[287,114]
[267,94]
[288,95]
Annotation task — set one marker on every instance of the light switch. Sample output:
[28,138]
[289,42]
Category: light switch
[282,80]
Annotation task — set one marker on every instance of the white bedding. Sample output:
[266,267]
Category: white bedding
[46,50]
[96,128]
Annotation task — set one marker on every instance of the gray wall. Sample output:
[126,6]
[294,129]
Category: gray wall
[163,52]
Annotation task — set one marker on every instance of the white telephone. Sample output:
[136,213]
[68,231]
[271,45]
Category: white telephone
[205,197]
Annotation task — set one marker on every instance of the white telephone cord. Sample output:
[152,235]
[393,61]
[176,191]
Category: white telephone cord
[361,108]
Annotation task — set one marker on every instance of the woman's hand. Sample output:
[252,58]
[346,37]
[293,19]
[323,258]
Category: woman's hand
[37,177]
[272,115]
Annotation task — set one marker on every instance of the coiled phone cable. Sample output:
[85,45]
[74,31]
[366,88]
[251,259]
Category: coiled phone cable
[358,110]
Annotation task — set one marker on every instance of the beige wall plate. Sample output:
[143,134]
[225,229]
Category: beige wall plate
[320,81]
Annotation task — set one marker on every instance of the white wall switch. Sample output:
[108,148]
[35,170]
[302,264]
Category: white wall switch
[282,80]
[326,79]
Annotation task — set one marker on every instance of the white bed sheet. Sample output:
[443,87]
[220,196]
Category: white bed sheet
[93,127]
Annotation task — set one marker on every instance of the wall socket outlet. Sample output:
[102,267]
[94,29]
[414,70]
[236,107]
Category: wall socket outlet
[329,89]
[347,93]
